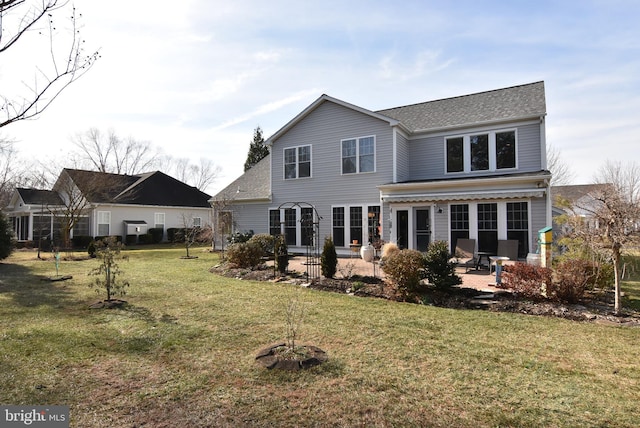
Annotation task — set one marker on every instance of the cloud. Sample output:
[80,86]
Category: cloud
[266,108]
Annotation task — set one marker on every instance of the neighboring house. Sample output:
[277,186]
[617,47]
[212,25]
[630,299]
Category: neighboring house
[107,204]
[472,166]
[574,199]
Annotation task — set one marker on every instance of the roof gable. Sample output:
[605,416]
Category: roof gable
[317,103]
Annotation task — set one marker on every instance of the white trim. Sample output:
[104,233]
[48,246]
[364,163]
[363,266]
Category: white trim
[357,140]
[492,152]
[297,150]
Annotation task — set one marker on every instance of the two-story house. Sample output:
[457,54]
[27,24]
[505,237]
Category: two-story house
[472,166]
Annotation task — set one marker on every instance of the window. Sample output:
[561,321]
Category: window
[297,162]
[290,226]
[197,222]
[373,223]
[479,152]
[338,226]
[104,223]
[274,222]
[358,155]
[355,224]
[455,157]
[158,220]
[488,227]
[459,217]
[518,226]
[490,151]
[505,150]
[225,222]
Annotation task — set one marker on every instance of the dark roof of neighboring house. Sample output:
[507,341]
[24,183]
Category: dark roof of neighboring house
[39,197]
[152,188]
[254,184]
[574,192]
[516,102]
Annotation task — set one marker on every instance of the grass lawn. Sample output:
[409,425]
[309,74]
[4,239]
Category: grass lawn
[181,354]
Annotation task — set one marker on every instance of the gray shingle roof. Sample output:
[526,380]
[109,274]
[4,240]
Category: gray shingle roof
[254,184]
[37,197]
[152,188]
[517,102]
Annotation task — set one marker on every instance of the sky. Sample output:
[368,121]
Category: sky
[196,77]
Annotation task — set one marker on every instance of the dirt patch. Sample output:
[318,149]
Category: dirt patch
[595,306]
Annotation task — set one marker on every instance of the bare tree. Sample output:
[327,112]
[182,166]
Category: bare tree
[14,171]
[67,60]
[610,217]
[111,153]
[200,176]
[561,173]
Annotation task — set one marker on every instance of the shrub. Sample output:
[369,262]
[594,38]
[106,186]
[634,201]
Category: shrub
[388,249]
[173,235]
[439,269]
[329,259]
[156,234]
[265,241]
[131,239]
[526,280]
[281,252]
[244,254]
[91,249]
[571,279]
[145,238]
[81,241]
[405,268]
[240,237]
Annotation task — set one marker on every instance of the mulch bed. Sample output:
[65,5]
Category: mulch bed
[595,306]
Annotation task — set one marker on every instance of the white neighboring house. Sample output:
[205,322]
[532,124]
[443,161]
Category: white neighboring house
[107,205]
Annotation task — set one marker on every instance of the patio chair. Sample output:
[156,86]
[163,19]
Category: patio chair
[506,248]
[465,253]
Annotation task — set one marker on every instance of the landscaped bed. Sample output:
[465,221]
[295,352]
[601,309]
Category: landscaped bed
[596,306]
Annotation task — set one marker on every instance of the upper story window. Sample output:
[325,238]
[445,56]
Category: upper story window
[489,151]
[297,162]
[358,155]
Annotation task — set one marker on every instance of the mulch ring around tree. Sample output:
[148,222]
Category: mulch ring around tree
[278,356]
[108,304]
[596,306]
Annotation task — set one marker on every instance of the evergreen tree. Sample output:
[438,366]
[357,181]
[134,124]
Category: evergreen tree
[6,237]
[257,150]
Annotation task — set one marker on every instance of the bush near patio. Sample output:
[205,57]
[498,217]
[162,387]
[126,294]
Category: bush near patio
[440,268]
[246,255]
[405,269]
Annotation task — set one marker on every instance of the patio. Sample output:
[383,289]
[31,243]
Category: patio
[477,279]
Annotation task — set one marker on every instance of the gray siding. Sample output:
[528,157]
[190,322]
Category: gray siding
[403,158]
[538,220]
[323,129]
[252,216]
[427,154]
[529,148]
